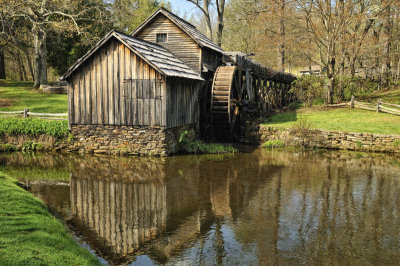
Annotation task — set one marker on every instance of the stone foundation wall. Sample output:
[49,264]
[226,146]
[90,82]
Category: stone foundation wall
[125,140]
[258,134]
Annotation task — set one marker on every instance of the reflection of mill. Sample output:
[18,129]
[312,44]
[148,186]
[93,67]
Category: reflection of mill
[126,206]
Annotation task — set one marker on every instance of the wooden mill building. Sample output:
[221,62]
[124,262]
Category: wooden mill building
[135,93]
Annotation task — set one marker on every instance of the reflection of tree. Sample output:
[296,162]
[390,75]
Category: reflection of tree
[330,211]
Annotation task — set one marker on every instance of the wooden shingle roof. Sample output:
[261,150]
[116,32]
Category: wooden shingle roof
[158,57]
[188,28]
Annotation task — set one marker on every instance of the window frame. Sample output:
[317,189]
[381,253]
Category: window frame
[161,34]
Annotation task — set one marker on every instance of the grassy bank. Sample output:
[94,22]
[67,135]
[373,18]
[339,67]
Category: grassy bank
[30,235]
[16,95]
[341,119]
[189,144]
[33,127]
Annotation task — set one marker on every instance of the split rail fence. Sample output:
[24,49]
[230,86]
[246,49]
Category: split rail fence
[25,113]
[380,107]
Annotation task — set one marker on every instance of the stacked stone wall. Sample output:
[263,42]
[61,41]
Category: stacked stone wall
[117,140]
[257,134]
[125,140]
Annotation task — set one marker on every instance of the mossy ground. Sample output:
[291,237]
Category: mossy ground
[30,235]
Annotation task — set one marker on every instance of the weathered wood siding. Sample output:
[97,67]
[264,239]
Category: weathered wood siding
[178,42]
[182,106]
[211,58]
[116,87]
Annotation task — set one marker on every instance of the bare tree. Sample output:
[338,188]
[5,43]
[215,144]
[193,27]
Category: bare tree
[45,15]
[220,20]
[204,6]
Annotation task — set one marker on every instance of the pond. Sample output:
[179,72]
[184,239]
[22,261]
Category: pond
[262,207]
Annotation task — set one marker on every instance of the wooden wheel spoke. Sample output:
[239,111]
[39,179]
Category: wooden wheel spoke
[226,93]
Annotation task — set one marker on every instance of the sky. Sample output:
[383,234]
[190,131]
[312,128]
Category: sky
[182,6]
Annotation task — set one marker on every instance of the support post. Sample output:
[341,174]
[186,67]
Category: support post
[26,110]
[378,106]
[352,102]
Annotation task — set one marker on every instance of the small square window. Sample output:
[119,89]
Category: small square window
[161,37]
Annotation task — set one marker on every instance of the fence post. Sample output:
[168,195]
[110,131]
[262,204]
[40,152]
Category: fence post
[378,106]
[26,110]
[352,101]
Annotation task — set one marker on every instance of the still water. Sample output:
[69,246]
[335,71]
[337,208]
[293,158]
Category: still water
[262,207]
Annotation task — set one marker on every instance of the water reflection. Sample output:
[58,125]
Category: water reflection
[259,208]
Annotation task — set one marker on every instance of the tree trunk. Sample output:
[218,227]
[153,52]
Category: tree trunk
[281,37]
[30,66]
[21,67]
[2,65]
[332,78]
[40,57]
[206,11]
[386,68]
[220,20]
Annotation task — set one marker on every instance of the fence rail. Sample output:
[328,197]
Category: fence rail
[25,113]
[380,107]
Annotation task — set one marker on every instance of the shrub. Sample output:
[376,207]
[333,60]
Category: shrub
[29,146]
[359,144]
[303,129]
[273,144]
[311,89]
[347,86]
[33,127]
[8,148]
[396,143]
[188,143]
[308,89]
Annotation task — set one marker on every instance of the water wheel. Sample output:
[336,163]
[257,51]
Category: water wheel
[226,98]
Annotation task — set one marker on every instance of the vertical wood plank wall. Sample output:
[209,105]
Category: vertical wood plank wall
[182,107]
[178,42]
[97,90]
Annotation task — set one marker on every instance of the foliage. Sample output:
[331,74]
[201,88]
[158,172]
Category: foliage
[31,235]
[8,148]
[308,89]
[14,96]
[188,143]
[129,14]
[33,127]
[357,86]
[273,144]
[396,143]
[311,89]
[303,129]
[340,119]
[29,146]
[359,144]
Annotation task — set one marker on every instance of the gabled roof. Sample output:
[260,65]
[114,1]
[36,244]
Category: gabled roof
[188,28]
[156,56]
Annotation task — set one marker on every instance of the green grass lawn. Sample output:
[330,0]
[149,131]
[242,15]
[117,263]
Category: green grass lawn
[30,235]
[340,119]
[16,95]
